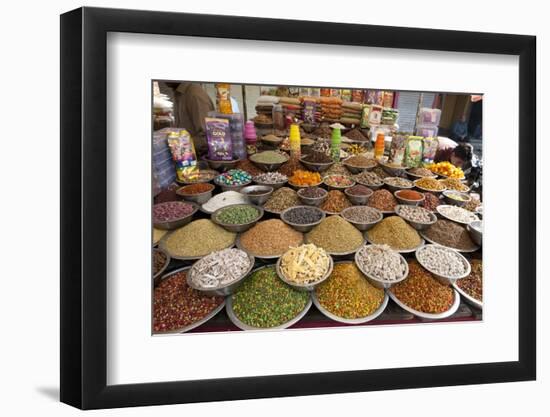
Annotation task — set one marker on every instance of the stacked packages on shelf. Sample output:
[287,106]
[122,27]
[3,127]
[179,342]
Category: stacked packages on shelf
[331,108]
[427,122]
[351,113]
[163,164]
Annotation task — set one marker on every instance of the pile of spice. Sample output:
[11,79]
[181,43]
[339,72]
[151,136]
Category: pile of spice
[289,167]
[409,195]
[158,234]
[303,215]
[431,201]
[336,202]
[269,157]
[382,200]
[224,199]
[336,235]
[304,178]
[270,178]
[264,301]
[421,172]
[246,165]
[323,131]
[454,184]
[312,192]
[159,259]
[421,291]
[219,269]
[381,263]
[368,178]
[340,181]
[198,188]
[398,182]
[171,210]
[239,214]
[176,305]
[472,205]
[442,261]
[415,214]
[355,134]
[360,161]
[348,294]
[362,214]
[359,190]
[430,184]
[337,169]
[458,214]
[233,177]
[168,194]
[473,283]
[317,157]
[270,238]
[282,199]
[184,241]
[305,264]
[447,169]
[381,172]
[356,149]
[451,234]
[396,233]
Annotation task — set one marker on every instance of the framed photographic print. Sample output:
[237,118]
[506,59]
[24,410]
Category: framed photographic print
[257,208]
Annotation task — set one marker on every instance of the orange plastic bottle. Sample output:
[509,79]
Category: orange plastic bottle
[379,145]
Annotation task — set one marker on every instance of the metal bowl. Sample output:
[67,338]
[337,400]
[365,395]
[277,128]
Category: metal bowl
[429,316]
[414,177]
[394,188]
[456,249]
[156,277]
[199,198]
[392,170]
[303,227]
[411,250]
[338,187]
[237,228]
[222,290]
[312,201]
[380,283]
[373,187]
[197,323]
[476,235]
[417,225]
[204,175]
[232,187]
[275,186]
[461,203]
[268,167]
[304,287]
[361,320]
[468,298]
[243,326]
[176,224]
[445,279]
[426,190]
[316,166]
[407,201]
[355,169]
[358,200]
[438,209]
[362,226]
[239,245]
[222,165]
[257,199]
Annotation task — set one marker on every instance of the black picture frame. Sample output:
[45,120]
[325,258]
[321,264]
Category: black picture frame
[84,206]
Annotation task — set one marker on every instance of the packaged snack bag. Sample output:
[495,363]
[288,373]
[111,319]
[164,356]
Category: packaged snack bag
[430,148]
[413,151]
[183,153]
[375,115]
[218,137]
[365,116]
[397,148]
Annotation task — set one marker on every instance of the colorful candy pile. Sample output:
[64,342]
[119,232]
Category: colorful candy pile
[233,177]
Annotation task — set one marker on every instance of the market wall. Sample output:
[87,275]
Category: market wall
[30,174]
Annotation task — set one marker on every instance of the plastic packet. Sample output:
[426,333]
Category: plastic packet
[218,137]
[413,151]
[183,153]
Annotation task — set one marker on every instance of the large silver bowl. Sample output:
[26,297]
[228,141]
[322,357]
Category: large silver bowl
[257,199]
[302,227]
[414,224]
[222,290]
[444,279]
[156,277]
[304,287]
[450,247]
[316,166]
[222,165]
[443,206]
[195,324]
[237,228]
[362,226]
[394,188]
[407,201]
[426,190]
[199,198]
[312,201]
[429,316]
[380,283]
[468,298]
[268,167]
[338,187]
[232,187]
[460,203]
[476,235]
[355,169]
[182,221]
[393,170]
[358,200]
[275,186]
[414,177]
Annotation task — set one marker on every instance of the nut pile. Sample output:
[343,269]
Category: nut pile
[415,214]
[458,214]
[381,262]
[270,178]
[442,261]
[398,182]
[220,268]
[473,283]
[368,178]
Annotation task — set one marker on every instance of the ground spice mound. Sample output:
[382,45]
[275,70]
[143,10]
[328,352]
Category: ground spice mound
[282,199]
[334,234]
[176,305]
[473,283]
[421,291]
[270,238]
[451,234]
[348,294]
[394,232]
[335,202]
